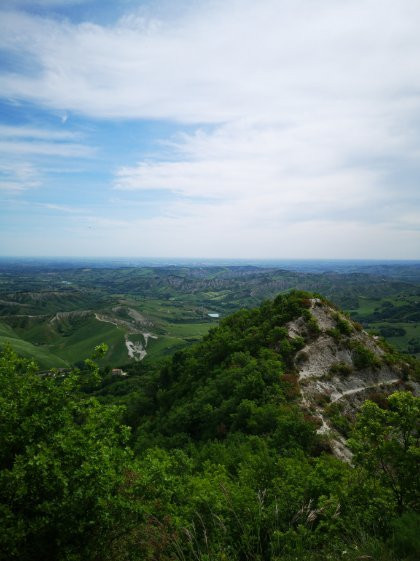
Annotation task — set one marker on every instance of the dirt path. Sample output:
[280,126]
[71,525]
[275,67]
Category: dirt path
[99,318]
[362,388]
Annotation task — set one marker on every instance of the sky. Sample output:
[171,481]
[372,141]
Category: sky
[210,128]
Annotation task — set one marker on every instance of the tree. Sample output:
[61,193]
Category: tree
[386,443]
[63,460]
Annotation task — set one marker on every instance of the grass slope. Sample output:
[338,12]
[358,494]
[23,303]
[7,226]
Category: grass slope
[80,344]
[42,356]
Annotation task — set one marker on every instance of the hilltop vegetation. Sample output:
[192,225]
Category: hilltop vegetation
[65,311]
[212,454]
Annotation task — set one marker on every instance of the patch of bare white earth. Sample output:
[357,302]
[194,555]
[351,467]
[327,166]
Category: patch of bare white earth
[318,383]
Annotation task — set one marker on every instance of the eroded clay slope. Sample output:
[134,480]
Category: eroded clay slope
[339,368]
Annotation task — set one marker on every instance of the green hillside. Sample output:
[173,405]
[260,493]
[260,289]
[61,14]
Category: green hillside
[67,340]
[220,457]
[54,309]
[79,342]
[44,357]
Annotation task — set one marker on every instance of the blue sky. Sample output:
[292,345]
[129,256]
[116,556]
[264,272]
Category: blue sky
[234,128]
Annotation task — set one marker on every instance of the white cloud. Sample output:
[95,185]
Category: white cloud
[195,237]
[18,176]
[68,150]
[271,174]
[311,106]
[8,131]
[18,140]
[222,60]
[22,147]
[62,208]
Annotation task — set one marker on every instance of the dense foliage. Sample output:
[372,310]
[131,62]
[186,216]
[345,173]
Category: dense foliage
[221,463]
[62,460]
[238,379]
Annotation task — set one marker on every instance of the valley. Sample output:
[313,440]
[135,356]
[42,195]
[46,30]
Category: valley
[57,313]
[284,420]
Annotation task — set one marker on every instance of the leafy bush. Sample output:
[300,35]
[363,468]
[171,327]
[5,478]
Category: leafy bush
[405,540]
[343,326]
[385,441]
[311,324]
[62,461]
[334,333]
[363,357]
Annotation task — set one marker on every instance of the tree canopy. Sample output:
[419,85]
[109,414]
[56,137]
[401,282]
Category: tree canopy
[62,459]
[222,463]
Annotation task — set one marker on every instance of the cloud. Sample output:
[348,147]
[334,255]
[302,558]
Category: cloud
[221,60]
[62,208]
[18,176]
[21,148]
[17,140]
[47,149]
[303,114]
[195,237]
[270,174]
[35,133]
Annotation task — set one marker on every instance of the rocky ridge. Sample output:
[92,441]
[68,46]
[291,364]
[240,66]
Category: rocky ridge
[339,367]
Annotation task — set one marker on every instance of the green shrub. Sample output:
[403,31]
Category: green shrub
[363,357]
[334,333]
[341,368]
[313,326]
[405,540]
[342,324]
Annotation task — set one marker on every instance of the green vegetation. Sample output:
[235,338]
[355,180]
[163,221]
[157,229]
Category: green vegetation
[81,339]
[363,357]
[312,325]
[207,455]
[62,461]
[341,369]
[386,442]
[44,357]
[395,317]
[338,419]
[56,309]
[335,334]
[342,325]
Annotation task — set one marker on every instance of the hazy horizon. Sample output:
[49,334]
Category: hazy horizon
[204,261]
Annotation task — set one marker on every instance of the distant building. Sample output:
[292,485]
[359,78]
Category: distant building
[214,315]
[118,372]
